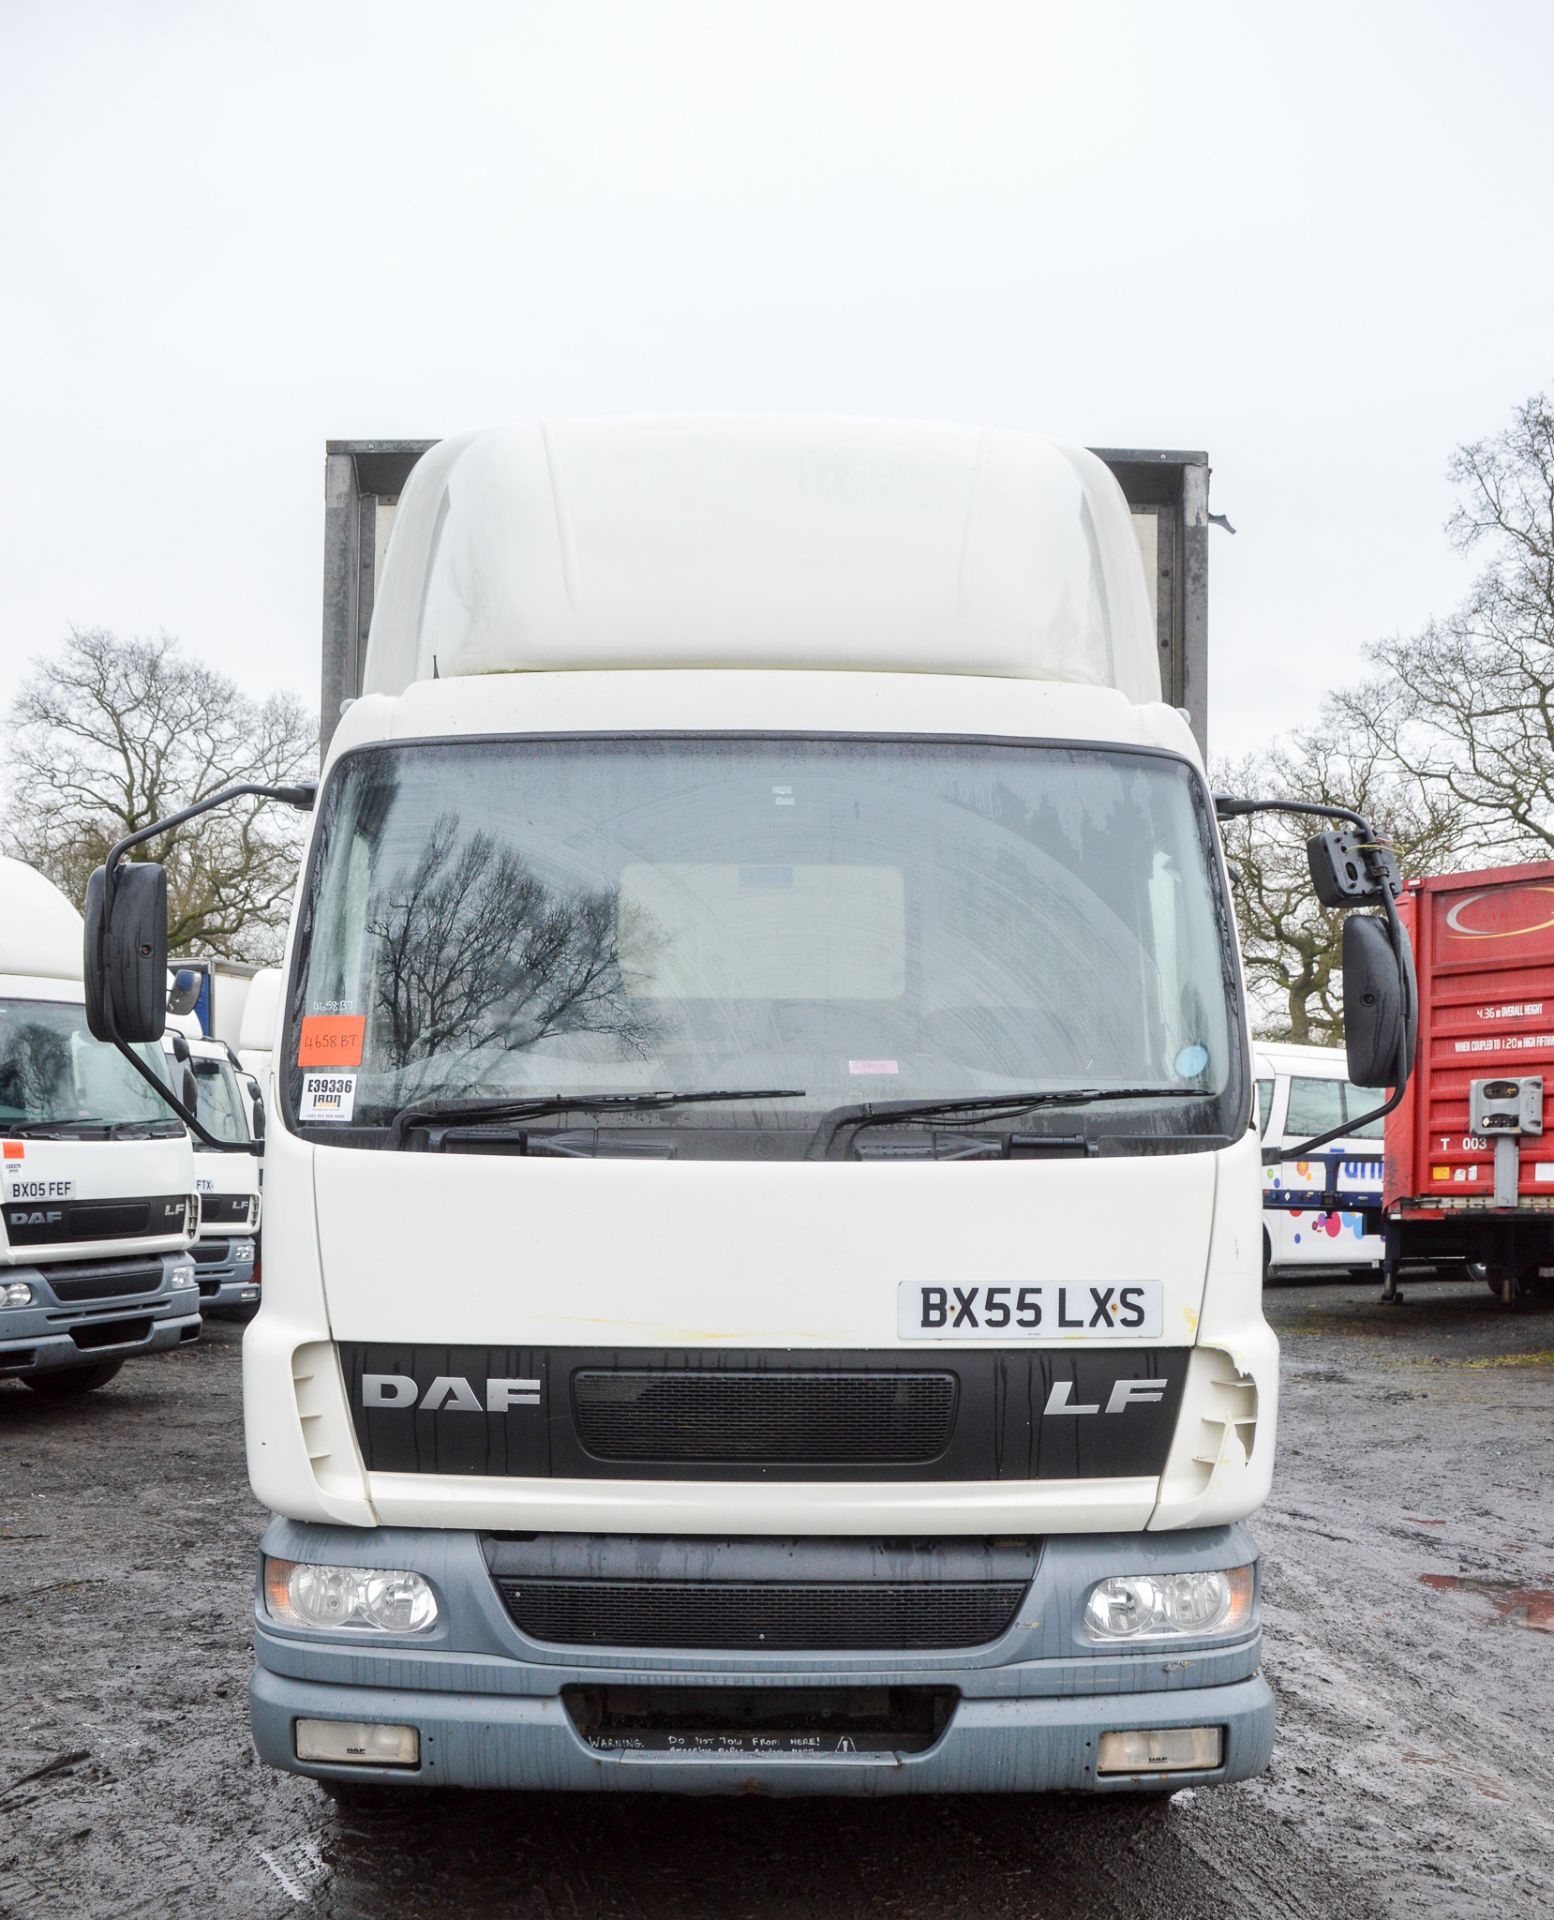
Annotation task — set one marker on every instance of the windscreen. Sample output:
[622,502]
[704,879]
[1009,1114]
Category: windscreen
[220,1101]
[1317,1105]
[54,1074]
[853,920]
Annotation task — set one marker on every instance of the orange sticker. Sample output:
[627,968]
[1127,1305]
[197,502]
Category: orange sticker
[14,1150]
[332,1040]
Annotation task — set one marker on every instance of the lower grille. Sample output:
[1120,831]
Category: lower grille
[749,1616]
[110,1333]
[707,1414]
[82,1282]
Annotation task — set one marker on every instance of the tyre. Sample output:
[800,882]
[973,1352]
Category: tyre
[69,1383]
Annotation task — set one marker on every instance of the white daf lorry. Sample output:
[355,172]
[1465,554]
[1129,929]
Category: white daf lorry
[772,831]
[97,1194]
[228,1101]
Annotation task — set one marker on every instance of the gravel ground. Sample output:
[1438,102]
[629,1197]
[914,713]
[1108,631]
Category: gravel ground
[1409,1581]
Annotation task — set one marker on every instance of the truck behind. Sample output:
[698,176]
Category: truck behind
[98,1206]
[1469,1174]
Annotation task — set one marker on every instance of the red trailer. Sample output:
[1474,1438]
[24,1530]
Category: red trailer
[1484,951]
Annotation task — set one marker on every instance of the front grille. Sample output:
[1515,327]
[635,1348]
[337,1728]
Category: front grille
[682,1721]
[78,1281]
[754,1616]
[224,1209]
[210,1253]
[728,1415]
[51,1223]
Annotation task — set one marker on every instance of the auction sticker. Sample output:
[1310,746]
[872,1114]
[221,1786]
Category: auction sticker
[327,1096]
[332,1040]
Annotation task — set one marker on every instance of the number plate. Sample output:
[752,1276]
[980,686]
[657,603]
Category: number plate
[1042,1310]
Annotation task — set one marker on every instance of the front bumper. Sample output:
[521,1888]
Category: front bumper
[54,1332]
[495,1709]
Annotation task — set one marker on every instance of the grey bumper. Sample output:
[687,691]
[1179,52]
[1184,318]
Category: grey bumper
[53,1332]
[493,1709]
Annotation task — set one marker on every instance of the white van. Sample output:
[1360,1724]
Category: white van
[1302,1092]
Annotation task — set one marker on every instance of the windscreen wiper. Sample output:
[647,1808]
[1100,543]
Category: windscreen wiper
[983,1106]
[43,1129]
[475,1112]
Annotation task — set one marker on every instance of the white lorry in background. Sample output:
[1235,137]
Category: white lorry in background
[97,1196]
[762,1210]
[227,1100]
[256,1035]
[1324,1212]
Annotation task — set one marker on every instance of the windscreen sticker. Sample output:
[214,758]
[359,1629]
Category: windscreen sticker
[872,1066]
[327,1096]
[332,1040]
[14,1150]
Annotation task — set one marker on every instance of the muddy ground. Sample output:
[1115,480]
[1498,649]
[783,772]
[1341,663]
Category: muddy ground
[1410,1601]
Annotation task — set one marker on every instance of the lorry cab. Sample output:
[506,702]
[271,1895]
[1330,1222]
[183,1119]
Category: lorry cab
[97,1198]
[762,1207]
[1303,1091]
[227,1101]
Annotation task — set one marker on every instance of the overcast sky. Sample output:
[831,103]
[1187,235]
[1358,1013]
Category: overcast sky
[1310,238]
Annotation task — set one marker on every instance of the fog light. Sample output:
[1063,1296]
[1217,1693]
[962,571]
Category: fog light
[1162,1750]
[357,1743]
[365,1599]
[1159,1606]
[17,1294]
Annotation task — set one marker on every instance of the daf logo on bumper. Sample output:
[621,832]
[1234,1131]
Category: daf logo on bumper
[447,1393]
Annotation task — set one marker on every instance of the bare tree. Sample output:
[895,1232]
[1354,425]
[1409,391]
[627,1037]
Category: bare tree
[477,954]
[112,734]
[1290,944]
[1465,709]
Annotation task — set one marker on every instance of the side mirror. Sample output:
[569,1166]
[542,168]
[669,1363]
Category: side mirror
[124,963]
[180,1046]
[184,994]
[1374,1002]
[189,1089]
[257,1098]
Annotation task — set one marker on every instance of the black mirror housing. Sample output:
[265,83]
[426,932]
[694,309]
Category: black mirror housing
[125,954]
[184,994]
[1373,1002]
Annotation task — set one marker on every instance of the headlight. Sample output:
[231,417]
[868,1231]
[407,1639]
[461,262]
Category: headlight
[242,1251]
[17,1294]
[301,1594]
[182,1274]
[1158,1606]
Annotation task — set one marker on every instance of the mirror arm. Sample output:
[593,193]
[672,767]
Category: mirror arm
[190,1119]
[302,796]
[1228,807]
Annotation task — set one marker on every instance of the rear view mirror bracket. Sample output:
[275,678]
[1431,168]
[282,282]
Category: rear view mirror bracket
[125,948]
[1350,869]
